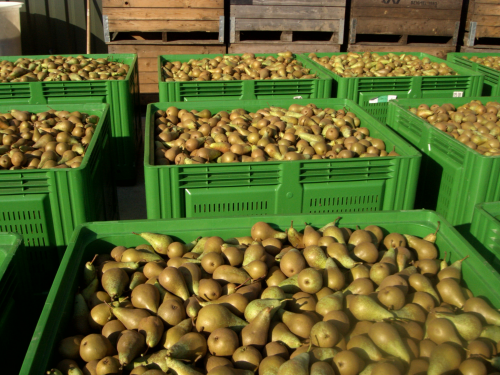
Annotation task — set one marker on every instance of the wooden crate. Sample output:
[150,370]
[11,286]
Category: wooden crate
[171,19]
[438,51]
[148,59]
[483,25]
[273,48]
[279,22]
[400,23]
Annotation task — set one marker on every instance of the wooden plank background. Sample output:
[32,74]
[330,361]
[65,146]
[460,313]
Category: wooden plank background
[287,12]
[427,4]
[163,3]
[401,26]
[487,15]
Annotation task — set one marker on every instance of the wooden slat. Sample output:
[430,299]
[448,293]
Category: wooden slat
[157,26]
[147,64]
[487,9]
[481,49]
[148,97]
[152,14]
[294,12]
[487,32]
[148,77]
[440,51]
[286,25]
[436,14]
[366,25]
[163,3]
[487,20]
[330,3]
[155,50]
[173,42]
[422,4]
[280,46]
[488,2]
[147,87]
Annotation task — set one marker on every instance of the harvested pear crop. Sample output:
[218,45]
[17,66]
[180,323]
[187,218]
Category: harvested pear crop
[269,134]
[186,321]
[492,62]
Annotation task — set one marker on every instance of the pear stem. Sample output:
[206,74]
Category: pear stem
[336,221]
[95,256]
[239,286]
[437,229]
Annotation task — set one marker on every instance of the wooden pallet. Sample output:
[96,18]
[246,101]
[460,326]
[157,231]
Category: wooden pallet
[148,58]
[439,51]
[481,48]
[483,24]
[281,47]
[168,17]
[287,21]
[400,23]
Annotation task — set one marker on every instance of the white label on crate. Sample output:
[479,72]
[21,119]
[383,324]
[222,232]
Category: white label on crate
[297,97]
[383,99]
[458,94]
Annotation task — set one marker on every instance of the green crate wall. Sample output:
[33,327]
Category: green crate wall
[320,87]
[122,96]
[363,89]
[264,188]
[485,228]
[93,238]
[491,76]
[453,177]
[45,205]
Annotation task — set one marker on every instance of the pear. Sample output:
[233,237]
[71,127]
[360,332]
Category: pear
[137,278]
[271,364]
[298,324]
[468,326]
[315,256]
[379,272]
[236,303]
[108,365]
[144,256]
[333,277]
[325,335]
[418,366]
[387,338]
[160,242]
[491,332]
[441,330]
[173,334]
[172,312]
[156,360]
[253,252]
[450,291]
[247,358]
[91,289]
[130,345]
[292,262]
[332,302]
[228,274]
[364,308]
[81,315]
[226,370]
[276,349]
[191,347]
[347,362]
[176,367]
[291,284]
[280,332]
[256,332]
[192,275]
[339,252]
[483,310]
[114,281]
[130,317]
[146,296]
[321,368]
[171,279]
[152,329]
[335,232]
[299,365]
[364,347]
[193,307]
[215,316]
[295,238]
[411,311]
[422,284]
[360,286]
[445,358]
[424,249]
[453,271]
[95,347]
[261,231]
[473,366]
[311,236]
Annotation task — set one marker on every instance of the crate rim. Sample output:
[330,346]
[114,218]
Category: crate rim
[478,54]
[454,66]
[17,242]
[105,111]
[149,141]
[163,58]
[466,149]
[95,55]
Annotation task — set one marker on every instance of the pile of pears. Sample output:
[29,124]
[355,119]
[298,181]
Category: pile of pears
[236,67]
[474,124]
[268,134]
[492,62]
[374,65]
[328,301]
[50,139]
[59,68]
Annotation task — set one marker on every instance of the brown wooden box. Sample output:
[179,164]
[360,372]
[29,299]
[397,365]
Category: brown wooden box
[165,16]
[408,20]
[292,21]
[483,21]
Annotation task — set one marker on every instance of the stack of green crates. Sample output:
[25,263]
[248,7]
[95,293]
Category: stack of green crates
[485,228]
[281,187]
[491,76]
[180,91]
[453,177]
[100,238]
[121,95]
[45,205]
[373,93]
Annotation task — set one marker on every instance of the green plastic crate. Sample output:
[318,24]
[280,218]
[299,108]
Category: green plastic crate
[491,76]
[45,205]
[362,90]
[122,96]
[281,187]
[485,227]
[94,238]
[320,87]
[453,177]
